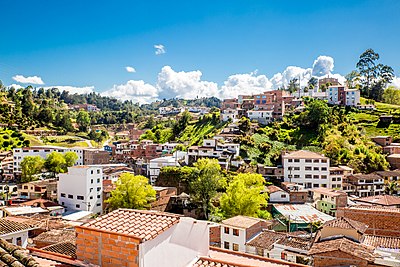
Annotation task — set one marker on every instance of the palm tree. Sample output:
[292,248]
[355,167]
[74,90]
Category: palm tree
[391,188]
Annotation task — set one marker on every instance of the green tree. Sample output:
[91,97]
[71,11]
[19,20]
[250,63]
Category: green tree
[132,192]
[352,79]
[55,162]
[206,183]
[391,95]
[312,83]
[70,159]
[294,85]
[83,120]
[244,125]
[317,113]
[244,195]
[30,166]
[367,68]
[391,188]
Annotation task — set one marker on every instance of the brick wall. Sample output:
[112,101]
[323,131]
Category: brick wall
[338,258]
[106,249]
[257,228]
[215,235]
[379,221]
[298,197]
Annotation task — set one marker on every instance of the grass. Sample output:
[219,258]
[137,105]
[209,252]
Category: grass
[34,140]
[196,131]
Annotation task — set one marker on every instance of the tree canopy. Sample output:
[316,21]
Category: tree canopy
[30,166]
[132,192]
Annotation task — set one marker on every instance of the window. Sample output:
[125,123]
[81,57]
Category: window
[323,176]
[226,230]
[283,255]
[98,189]
[334,179]
[19,241]
[98,196]
[70,196]
[324,161]
[91,181]
[91,172]
[62,194]
[323,168]
[78,206]
[316,169]
[316,160]
[290,160]
[339,179]
[98,204]
[91,197]
[236,232]
[62,203]
[260,252]
[308,168]
[98,180]
[79,197]
[98,171]
[283,196]
[235,247]
[296,176]
[226,245]
[308,176]
[308,160]
[316,176]
[296,160]
[296,168]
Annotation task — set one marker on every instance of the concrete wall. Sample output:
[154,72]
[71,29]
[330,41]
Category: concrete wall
[12,238]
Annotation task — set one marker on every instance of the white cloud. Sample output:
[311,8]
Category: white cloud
[29,79]
[137,91]
[160,49]
[323,65]
[73,89]
[244,84]
[130,69]
[15,86]
[291,72]
[187,85]
[396,82]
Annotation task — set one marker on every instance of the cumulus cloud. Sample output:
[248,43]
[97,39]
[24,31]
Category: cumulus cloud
[187,85]
[282,79]
[396,82]
[15,86]
[243,84]
[29,79]
[137,91]
[73,89]
[323,65]
[160,49]
[130,69]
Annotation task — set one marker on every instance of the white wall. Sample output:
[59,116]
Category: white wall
[177,246]
[240,240]
[277,197]
[81,181]
[14,236]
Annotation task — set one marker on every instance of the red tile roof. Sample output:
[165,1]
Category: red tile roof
[346,223]
[8,227]
[241,221]
[142,224]
[344,245]
[381,241]
[383,200]
[273,189]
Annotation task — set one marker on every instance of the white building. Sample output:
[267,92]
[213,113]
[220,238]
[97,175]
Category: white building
[229,113]
[262,116]
[155,165]
[42,151]
[278,195]
[352,97]
[340,95]
[306,168]
[81,189]
[14,232]
[236,231]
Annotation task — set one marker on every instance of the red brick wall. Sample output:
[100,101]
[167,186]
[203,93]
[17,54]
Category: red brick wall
[106,249]
[298,197]
[215,235]
[257,228]
[379,222]
[338,258]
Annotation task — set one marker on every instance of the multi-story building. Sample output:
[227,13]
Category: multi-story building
[328,200]
[337,174]
[93,156]
[38,189]
[155,165]
[42,151]
[236,231]
[363,185]
[340,95]
[212,148]
[81,188]
[6,166]
[230,114]
[261,116]
[390,176]
[306,168]
[328,81]
[277,195]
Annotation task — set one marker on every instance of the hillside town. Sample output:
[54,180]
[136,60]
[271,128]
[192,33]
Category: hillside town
[317,213]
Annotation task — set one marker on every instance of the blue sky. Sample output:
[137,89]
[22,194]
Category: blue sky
[89,43]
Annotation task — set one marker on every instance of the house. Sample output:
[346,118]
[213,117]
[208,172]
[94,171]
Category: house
[306,168]
[38,189]
[379,201]
[230,114]
[277,195]
[81,189]
[94,156]
[142,238]
[363,185]
[299,216]
[6,165]
[297,193]
[394,161]
[22,210]
[14,232]
[163,196]
[155,165]
[390,176]
[53,208]
[337,174]
[278,245]
[261,116]
[54,236]
[381,221]
[112,173]
[270,173]
[382,140]
[328,200]
[340,95]
[236,231]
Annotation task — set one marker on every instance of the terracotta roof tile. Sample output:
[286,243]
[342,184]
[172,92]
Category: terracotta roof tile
[345,245]
[266,239]
[295,242]
[11,255]
[142,224]
[7,227]
[346,223]
[383,200]
[273,189]
[65,248]
[381,241]
[56,236]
